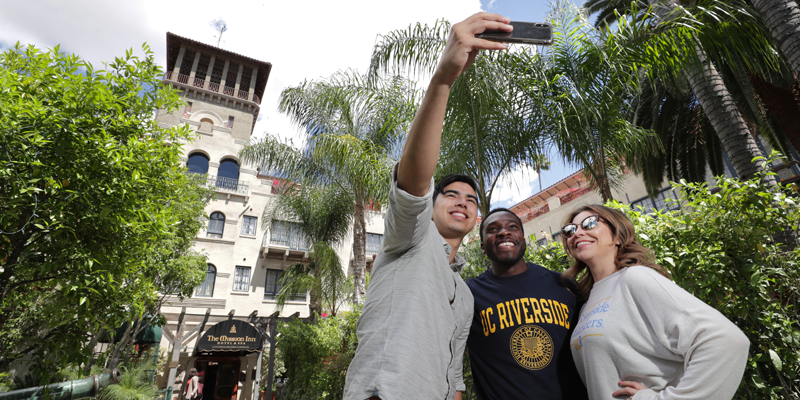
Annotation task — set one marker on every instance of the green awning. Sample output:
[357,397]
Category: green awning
[149,335]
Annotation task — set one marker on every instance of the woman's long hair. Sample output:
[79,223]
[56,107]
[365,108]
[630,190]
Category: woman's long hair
[192,373]
[629,251]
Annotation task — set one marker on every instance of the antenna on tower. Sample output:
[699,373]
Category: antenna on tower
[221,26]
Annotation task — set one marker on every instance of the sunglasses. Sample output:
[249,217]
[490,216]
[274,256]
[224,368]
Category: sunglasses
[587,224]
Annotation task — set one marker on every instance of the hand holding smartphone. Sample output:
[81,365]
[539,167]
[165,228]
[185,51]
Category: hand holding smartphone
[540,33]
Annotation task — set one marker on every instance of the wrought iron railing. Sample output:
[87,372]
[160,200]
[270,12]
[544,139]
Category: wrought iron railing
[227,185]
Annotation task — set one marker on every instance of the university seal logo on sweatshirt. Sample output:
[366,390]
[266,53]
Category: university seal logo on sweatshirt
[531,347]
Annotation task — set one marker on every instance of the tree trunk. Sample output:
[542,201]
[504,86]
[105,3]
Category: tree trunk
[605,188]
[718,104]
[782,18]
[113,361]
[359,255]
[712,94]
[92,344]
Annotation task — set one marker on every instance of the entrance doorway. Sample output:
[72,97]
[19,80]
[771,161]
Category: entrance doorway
[219,376]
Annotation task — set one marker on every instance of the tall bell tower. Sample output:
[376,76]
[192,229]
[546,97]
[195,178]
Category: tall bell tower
[222,91]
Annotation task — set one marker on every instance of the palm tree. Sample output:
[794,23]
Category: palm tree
[510,106]
[592,82]
[782,17]
[354,128]
[324,215]
[491,125]
[739,37]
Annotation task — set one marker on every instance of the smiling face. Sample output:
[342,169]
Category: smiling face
[596,247]
[503,239]
[455,210]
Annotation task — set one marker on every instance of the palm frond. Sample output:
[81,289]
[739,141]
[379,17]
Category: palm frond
[133,385]
[414,50]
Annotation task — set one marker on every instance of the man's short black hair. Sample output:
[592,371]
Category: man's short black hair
[448,179]
[496,210]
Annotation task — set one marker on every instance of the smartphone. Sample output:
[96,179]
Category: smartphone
[524,32]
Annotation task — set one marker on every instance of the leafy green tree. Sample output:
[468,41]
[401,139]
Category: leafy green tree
[493,123]
[97,217]
[354,129]
[324,215]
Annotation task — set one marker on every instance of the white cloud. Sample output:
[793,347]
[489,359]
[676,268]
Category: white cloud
[302,39]
[514,186]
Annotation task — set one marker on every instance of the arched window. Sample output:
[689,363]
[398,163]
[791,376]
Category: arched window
[229,169]
[206,289]
[216,225]
[228,175]
[197,163]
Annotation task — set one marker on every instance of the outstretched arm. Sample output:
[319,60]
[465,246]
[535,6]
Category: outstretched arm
[421,151]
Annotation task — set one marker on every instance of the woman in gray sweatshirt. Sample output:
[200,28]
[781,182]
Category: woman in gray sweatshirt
[640,336]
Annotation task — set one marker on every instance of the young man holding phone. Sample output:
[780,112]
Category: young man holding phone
[417,313]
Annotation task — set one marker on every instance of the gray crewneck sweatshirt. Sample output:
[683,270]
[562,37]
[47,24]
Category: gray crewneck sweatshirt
[639,326]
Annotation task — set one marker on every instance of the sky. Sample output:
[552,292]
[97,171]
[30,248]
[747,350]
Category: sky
[303,40]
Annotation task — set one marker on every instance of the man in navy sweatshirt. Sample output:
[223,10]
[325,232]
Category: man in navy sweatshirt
[524,315]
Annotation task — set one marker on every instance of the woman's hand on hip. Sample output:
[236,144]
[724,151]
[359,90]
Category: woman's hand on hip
[629,388]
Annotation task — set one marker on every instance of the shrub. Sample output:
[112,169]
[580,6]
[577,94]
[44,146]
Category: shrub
[316,356]
[551,256]
[135,384]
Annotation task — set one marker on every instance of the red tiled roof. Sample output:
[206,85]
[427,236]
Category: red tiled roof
[576,179]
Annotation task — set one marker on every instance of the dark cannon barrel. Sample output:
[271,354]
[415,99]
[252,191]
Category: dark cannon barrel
[70,390]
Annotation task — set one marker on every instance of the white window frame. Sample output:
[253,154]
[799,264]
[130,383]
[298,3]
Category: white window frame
[249,225]
[241,279]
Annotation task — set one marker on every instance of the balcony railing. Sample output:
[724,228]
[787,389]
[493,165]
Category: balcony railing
[180,78]
[227,185]
[213,87]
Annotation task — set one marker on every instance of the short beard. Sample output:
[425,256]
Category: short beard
[505,261]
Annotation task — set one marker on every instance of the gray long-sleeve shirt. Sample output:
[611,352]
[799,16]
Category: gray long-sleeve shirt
[417,312]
